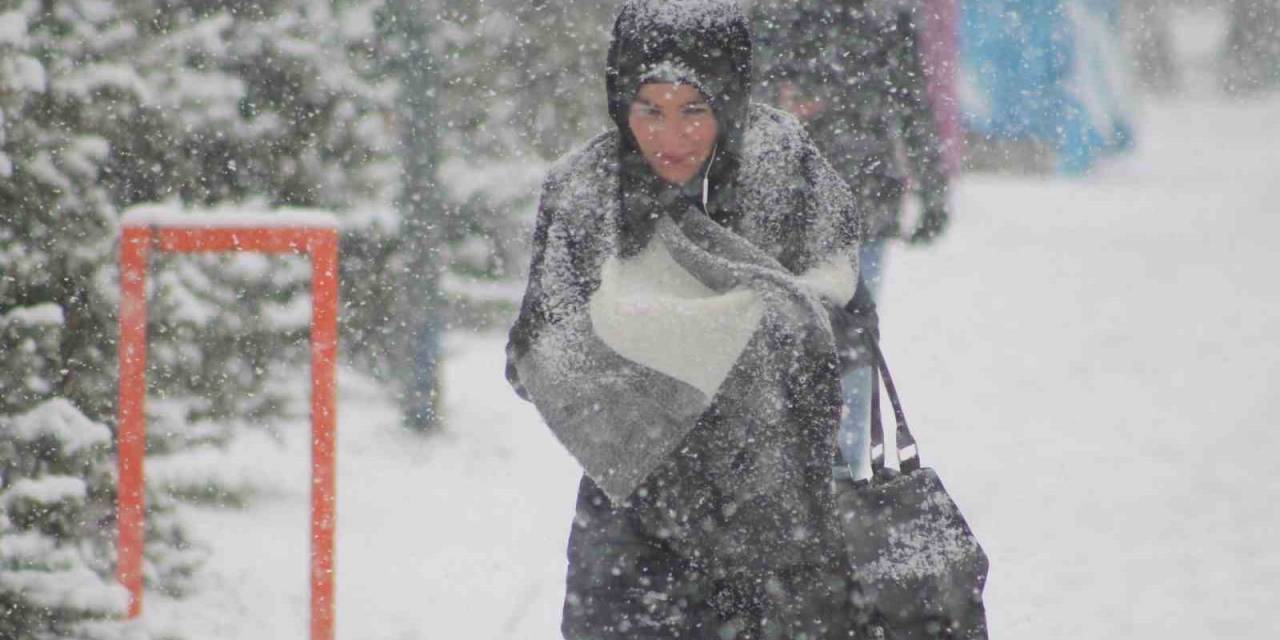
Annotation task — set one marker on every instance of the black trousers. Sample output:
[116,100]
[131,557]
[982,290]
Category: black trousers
[625,583]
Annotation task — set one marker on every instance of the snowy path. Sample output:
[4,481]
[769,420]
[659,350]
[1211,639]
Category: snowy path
[1091,365]
[456,536]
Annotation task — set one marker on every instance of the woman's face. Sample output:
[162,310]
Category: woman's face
[675,128]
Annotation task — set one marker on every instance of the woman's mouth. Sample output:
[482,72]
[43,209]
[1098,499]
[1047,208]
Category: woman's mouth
[674,160]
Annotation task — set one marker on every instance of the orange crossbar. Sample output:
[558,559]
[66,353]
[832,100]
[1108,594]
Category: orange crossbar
[321,244]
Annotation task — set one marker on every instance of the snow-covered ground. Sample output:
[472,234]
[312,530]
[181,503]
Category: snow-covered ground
[1091,365]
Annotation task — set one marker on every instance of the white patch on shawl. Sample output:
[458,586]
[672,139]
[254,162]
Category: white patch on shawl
[833,279]
[651,311]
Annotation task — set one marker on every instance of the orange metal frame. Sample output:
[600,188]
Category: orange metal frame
[321,244]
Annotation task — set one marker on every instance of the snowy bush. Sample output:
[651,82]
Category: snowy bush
[110,104]
[56,499]
[30,339]
[104,105]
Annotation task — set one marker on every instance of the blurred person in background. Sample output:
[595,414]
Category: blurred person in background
[1046,85]
[1147,23]
[1251,56]
[853,71]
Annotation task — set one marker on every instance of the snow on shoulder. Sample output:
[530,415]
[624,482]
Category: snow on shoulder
[684,14]
[164,215]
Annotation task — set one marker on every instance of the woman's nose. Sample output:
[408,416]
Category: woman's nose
[674,134]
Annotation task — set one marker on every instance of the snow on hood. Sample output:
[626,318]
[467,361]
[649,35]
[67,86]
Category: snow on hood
[684,14]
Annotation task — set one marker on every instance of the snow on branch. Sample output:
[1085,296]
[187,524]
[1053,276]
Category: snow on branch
[227,217]
[61,420]
[47,314]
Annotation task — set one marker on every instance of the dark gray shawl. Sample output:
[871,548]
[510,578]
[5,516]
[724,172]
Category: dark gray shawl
[731,473]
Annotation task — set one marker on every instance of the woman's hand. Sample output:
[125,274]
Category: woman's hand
[932,223]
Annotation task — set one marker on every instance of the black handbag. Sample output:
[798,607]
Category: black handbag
[920,567]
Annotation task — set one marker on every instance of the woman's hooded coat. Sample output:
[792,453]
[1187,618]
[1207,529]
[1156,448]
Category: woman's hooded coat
[675,337]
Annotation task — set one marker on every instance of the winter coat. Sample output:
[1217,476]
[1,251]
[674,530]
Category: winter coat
[863,59]
[707,498]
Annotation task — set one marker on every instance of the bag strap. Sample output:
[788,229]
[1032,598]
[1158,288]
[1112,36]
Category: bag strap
[908,453]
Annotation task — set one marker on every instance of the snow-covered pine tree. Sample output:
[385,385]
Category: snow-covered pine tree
[40,566]
[259,105]
[56,219]
[104,105]
[505,101]
[111,104]
[523,84]
[55,490]
[58,62]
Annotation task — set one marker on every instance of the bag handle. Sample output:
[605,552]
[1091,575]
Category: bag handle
[908,453]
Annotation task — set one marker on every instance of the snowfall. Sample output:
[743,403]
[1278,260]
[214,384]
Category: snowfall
[1091,365]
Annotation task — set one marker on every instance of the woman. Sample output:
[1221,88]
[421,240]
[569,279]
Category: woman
[674,336]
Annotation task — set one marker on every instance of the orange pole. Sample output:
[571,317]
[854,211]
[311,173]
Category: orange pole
[324,352]
[132,436]
[136,245]
[233,239]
